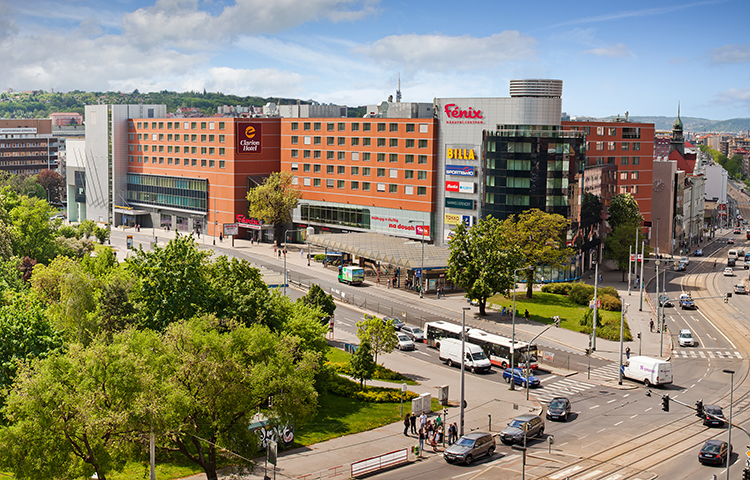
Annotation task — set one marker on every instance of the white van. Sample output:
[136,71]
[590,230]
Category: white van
[650,371]
[476,360]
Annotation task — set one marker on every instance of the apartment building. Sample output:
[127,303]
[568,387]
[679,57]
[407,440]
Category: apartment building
[27,146]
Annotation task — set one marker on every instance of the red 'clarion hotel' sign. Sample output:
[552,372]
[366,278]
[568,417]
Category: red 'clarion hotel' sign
[249,137]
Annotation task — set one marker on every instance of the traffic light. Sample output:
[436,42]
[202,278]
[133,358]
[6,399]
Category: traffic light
[588,351]
[726,300]
[639,335]
[665,403]
[746,474]
[699,409]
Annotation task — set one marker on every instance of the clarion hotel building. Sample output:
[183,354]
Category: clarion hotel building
[412,170]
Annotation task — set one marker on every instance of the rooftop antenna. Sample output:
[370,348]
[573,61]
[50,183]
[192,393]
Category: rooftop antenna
[398,92]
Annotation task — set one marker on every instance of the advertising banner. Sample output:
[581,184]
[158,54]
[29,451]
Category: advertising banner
[466,204]
[461,170]
[460,154]
[231,229]
[467,220]
[463,187]
[249,137]
[396,225]
[452,219]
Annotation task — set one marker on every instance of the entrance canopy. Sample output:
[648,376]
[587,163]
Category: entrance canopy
[401,252]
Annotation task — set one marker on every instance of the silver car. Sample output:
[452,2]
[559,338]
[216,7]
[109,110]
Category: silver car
[469,447]
[404,342]
[415,333]
[522,428]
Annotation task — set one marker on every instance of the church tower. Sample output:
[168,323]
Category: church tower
[678,140]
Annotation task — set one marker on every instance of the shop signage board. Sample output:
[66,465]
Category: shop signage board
[460,170]
[466,204]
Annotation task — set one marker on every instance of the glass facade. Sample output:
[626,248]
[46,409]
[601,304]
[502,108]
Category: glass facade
[164,191]
[336,215]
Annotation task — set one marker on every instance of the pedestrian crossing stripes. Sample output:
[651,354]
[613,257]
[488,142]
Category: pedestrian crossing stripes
[570,386]
[687,353]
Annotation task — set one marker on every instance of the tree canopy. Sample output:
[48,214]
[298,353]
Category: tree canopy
[623,209]
[273,201]
[379,335]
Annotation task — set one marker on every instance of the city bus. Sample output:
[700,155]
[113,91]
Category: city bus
[496,347]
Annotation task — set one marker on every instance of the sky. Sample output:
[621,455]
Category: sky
[641,57]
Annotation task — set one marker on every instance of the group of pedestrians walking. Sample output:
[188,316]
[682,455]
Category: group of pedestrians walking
[429,431]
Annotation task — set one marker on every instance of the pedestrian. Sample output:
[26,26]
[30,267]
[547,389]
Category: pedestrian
[600,278]
[413,420]
[274,249]
[526,315]
[279,252]
[651,325]
[407,423]
[502,312]
[438,296]
[421,441]
[301,253]
[388,283]
[221,238]
[455,433]
[627,352]
[422,420]
[438,421]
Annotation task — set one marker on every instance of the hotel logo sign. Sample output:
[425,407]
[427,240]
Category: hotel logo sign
[460,170]
[249,137]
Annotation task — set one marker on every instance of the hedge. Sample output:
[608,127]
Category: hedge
[344,387]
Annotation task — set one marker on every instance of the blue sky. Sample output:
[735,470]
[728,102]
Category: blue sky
[640,56]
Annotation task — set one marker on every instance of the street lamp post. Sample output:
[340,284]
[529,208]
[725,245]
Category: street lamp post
[403,390]
[286,273]
[596,299]
[658,295]
[731,400]
[622,324]
[528,359]
[463,370]
[513,323]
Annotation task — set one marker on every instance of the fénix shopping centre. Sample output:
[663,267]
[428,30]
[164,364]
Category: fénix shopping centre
[401,167]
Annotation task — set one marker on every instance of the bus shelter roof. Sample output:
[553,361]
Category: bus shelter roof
[397,251]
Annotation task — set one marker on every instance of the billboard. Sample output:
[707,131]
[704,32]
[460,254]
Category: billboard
[462,187]
[461,170]
[249,137]
[466,204]
[231,229]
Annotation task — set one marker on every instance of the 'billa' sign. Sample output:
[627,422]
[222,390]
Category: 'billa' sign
[248,138]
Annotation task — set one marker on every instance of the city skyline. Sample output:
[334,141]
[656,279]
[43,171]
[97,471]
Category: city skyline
[636,58]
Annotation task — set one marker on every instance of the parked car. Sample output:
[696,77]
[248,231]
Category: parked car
[728,272]
[715,452]
[523,427]
[740,288]
[737,230]
[665,302]
[686,338]
[397,323]
[415,333]
[520,378]
[469,447]
[716,411]
[686,301]
[559,409]
[404,342]
[699,252]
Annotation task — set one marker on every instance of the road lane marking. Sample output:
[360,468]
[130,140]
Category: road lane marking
[468,473]
[722,333]
[505,459]
[614,477]
[633,416]
[600,431]
[595,406]
[616,424]
[590,475]
[613,400]
[626,395]
[566,473]
[649,408]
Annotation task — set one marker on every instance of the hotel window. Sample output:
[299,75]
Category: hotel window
[329,155]
[316,126]
[634,175]
[355,127]
[610,160]
[329,183]
[624,160]
[306,167]
[424,128]
[203,125]
[130,159]
[330,127]
[305,153]
[423,144]
[408,174]
[203,162]
[355,185]
[222,164]
[408,158]
[330,169]
[153,125]
[393,173]
[316,182]
[306,182]
[355,142]
[392,188]
[381,127]
[194,162]
[366,186]
[341,170]
[211,150]
[393,127]
[295,140]
[154,137]
[316,154]
[193,125]
[365,142]
[366,128]
[381,187]
[221,125]
[381,157]
[342,155]
[341,184]
[169,149]
[342,127]
[393,157]
[355,170]
[409,128]
[295,126]
[316,140]
[342,140]
[161,137]
[306,126]
[612,131]
[169,137]
[625,146]
[623,175]
[422,159]
[381,142]
[185,125]
[381,172]
[422,191]
[393,142]
[408,190]
[204,150]
[355,156]
[177,149]
[169,160]
[295,153]
[316,168]
[600,131]
[636,146]
[409,143]
[421,175]
[330,140]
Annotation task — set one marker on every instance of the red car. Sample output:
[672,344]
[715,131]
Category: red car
[730,240]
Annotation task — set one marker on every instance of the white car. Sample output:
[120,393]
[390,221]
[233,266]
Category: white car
[728,272]
[686,338]
[404,342]
[740,288]
[685,260]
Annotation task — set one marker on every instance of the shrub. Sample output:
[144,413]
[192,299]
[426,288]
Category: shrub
[344,387]
[581,293]
[319,257]
[608,291]
[611,303]
[381,373]
[557,288]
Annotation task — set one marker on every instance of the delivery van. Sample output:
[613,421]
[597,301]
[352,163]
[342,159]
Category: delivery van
[476,360]
[351,275]
[650,371]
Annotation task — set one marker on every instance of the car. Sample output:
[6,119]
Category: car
[744,221]
[740,253]
[699,252]
[665,301]
[520,429]
[737,230]
[474,302]
[469,447]
[712,421]
[680,267]
[685,260]
[740,289]
[415,333]
[686,301]
[728,272]
[715,452]
[520,377]
[730,241]
[404,342]
[686,338]
[559,409]
[397,323]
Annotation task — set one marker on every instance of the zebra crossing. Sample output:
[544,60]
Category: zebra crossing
[719,354]
[569,386]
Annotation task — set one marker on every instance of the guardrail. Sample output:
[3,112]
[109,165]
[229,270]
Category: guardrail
[381,462]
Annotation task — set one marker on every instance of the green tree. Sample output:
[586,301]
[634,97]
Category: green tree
[362,364]
[591,209]
[540,237]
[380,335]
[273,201]
[623,209]
[33,233]
[317,297]
[482,259]
[619,245]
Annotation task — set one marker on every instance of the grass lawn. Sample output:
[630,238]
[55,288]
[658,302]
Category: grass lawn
[165,468]
[543,306]
[336,355]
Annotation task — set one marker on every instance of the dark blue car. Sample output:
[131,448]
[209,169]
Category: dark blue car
[519,378]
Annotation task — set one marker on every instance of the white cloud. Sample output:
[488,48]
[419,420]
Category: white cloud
[264,82]
[618,50]
[730,54]
[442,52]
[736,97]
